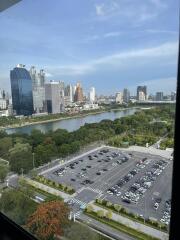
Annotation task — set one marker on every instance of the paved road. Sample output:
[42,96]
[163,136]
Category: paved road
[105,229]
[135,225]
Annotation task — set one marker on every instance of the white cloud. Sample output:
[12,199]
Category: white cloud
[167,49]
[159,3]
[100,9]
[160,31]
[71,70]
[119,59]
[112,34]
[48,74]
[134,12]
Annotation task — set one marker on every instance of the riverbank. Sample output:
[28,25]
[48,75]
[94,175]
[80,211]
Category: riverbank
[64,118]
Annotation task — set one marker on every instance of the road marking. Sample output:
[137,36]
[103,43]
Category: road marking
[94,190]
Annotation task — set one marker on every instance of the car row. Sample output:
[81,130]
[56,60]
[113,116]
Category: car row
[115,189]
[167,213]
[141,185]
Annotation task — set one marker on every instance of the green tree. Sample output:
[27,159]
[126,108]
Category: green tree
[109,214]
[117,207]
[17,206]
[108,204]
[20,157]
[5,145]
[36,138]
[100,213]
[89,208]
[3,172]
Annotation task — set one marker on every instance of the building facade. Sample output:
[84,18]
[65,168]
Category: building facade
[68,95]
[173,96]
[126,95]
[78,97]
[141,93]
[21,89]
[38,84]
[119,97]
[92,95]
[54,97]
[159,96]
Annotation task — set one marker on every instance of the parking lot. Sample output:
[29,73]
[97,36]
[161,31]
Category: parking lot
[139,181]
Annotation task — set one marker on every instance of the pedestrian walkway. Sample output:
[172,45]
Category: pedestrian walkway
[74,200]
[48,189]
[94,190]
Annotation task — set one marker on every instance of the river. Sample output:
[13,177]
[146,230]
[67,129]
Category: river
[73,123]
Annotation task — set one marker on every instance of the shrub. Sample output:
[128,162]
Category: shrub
[109,214]
[108,204]
[100,213]
[89,208]
[117,207]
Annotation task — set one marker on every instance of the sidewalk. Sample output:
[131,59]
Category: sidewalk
[49,189]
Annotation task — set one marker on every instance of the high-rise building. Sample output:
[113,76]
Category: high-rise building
[119,97]
[141,93]
[68,94]
[142,96]
[54,97]
[74,91]
[126,95]
[3,104]
[173,96]
[159,96]
[21,88]
[78,97]
[92,95]
[38,84]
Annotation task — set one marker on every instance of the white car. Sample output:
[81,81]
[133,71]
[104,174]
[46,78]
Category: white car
[156,205]
[118,194]
[109,192]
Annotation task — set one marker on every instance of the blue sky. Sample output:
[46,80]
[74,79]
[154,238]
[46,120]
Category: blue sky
[108,44]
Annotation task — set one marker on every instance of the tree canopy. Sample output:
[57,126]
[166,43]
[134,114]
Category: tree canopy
[48,220]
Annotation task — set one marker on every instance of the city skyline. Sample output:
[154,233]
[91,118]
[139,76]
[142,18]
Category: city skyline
[75,45]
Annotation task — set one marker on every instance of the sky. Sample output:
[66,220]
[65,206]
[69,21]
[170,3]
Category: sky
[108,44]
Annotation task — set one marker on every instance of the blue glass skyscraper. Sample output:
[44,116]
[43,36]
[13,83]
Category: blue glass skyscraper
[21,89]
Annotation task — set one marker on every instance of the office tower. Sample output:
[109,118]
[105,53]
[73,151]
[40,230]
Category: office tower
[126,95]
[92,95]
[38,84]
[141,93]
[159,96]
[54,97]
[119,97]
[173,96]
[78,97]
[68,94]
[142,96]
[74,91]
[21,89]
